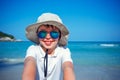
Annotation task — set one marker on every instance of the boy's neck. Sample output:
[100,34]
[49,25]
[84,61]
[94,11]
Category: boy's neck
[50,51]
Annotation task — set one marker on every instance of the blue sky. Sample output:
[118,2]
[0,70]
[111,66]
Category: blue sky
[87,20]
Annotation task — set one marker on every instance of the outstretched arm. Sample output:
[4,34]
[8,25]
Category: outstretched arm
[29,72]
[68,72]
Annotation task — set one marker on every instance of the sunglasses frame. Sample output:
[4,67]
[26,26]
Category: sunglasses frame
[45,34]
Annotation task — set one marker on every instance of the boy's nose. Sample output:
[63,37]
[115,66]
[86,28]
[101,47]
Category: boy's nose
[48,36]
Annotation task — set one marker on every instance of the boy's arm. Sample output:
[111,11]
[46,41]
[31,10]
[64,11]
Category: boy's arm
[68,71]
[29,72]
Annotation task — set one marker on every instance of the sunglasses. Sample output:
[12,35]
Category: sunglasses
[43,34]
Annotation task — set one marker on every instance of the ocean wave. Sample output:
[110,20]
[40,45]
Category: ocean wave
[11,60]
[108,45]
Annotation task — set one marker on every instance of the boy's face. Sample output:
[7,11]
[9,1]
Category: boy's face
[48,42]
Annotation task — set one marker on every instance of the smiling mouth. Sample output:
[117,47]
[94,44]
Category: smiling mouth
[48,43]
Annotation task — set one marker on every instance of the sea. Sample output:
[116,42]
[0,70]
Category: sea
[91,60]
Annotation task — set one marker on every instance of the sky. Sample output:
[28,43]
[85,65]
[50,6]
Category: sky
[86,20]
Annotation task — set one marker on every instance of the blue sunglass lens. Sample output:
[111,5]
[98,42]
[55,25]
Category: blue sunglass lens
[42,34]
[54,34]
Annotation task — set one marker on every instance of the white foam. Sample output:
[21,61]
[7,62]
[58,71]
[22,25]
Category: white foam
[108,45]
[12,60]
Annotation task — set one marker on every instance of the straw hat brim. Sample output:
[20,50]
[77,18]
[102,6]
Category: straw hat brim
[32,29]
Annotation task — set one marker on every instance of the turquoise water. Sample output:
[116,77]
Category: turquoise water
[13,49]
[83,53]
[95,53]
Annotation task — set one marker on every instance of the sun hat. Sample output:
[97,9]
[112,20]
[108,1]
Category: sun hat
[51,19]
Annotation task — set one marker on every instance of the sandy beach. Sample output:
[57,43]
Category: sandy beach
[13,72]
[97,73]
